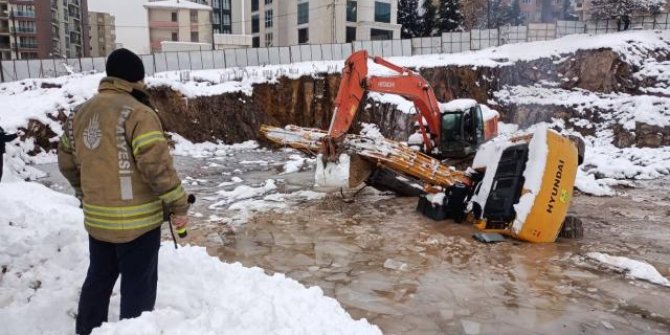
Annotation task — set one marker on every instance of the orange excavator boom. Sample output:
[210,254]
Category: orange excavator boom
[406,83]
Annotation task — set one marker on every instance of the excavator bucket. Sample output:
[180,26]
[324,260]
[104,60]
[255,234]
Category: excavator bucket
[349,171]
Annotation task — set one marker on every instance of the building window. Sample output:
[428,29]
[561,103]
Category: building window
[268,2]
[303,13]
[255,25]
[174,16]
[217,19]
[268,39]
[351,34]
[352,11]
[303,35]
[194,36]
[268,18]
[226,5]
[194,16]
[255,42]
[226,20]
[526,1]
[382,12]
[175,37]
[380,34]
[254,5]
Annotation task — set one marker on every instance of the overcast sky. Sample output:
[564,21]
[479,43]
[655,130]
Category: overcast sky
[131,22]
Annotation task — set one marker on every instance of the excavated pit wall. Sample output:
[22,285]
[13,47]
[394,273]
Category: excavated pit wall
[308,100]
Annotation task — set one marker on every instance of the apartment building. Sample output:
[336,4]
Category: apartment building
[291,22]
[102,33]
[178,21]
[43,29]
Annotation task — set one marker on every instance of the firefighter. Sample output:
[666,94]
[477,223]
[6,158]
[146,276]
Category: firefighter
[4,138]
[116,157]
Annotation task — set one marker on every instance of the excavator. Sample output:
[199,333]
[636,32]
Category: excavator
[519,187]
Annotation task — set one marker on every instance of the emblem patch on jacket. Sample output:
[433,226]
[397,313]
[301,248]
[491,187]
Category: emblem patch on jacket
[92,133]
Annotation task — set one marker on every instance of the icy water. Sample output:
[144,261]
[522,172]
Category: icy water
[410,275]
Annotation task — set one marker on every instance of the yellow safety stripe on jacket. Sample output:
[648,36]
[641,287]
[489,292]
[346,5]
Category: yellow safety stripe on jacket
[125,211]
[173,195]
[65,142]
[146,139]
[126,224]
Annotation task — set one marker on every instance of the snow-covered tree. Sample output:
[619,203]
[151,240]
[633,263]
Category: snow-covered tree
[428,19]
[517,16]
[568,11]
[618,9]
[500,13]
[449,16]
[408,17]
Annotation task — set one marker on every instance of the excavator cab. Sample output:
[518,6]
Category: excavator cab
[462,131]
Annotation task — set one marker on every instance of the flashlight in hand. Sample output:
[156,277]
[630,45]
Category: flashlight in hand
[182,232]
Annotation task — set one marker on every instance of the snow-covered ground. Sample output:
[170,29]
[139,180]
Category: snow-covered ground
[44,256]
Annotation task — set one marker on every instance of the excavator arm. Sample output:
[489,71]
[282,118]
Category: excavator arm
[355,82]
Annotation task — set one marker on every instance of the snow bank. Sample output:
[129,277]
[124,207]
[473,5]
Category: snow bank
[457,105]
[184,147]
[632,268]
[296,163]
[45,255]
[243,192]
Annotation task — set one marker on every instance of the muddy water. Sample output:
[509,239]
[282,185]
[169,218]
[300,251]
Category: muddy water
[410,275]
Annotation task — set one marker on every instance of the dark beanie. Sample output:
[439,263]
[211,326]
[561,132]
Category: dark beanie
[125,64]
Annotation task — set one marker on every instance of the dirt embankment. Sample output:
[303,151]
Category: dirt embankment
[308,101]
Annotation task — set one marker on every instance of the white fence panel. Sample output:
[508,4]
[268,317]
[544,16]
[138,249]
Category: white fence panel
[184,59]
[147,61]
[263,56]
[296,57]
[241,57]
[541,31]
[35,68]
[7,68]
[74,64]
[195,58]
[22,71]
[160,62]
[406,47]
[564,28]
[662,21]
[305,53]
[99,64]
[49,67]
[61,69]
[316,53]
[285,55]
[231,60]
[640,23]
[86,66]
[208,59]
[455,42]
[482,39]
[327,51]
[273,56]
[172,61]
[219,58]
[513,34]
[252,57]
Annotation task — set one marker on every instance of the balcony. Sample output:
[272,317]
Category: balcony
[24,45]
[4,46]
[23,14]
[4,30]
[23,30]
[164,25]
